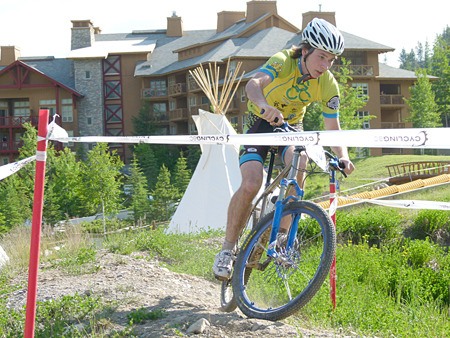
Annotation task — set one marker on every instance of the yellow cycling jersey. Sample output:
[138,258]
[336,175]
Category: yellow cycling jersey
[290,95]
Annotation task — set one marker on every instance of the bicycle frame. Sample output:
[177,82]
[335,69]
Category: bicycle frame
[286,179]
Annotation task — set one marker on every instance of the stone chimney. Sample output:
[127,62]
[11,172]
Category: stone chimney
[328,16]
[83,34]
[8,55]
[227,19]
[257,8]
[174,25]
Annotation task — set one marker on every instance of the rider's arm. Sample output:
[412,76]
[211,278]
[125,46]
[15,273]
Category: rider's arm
[341,152]
[255,93]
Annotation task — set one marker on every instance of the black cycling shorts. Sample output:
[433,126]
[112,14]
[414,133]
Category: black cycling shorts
[259,153]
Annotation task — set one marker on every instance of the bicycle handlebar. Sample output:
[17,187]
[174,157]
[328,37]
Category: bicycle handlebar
[334,161]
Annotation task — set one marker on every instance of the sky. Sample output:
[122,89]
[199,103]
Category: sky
[43,28]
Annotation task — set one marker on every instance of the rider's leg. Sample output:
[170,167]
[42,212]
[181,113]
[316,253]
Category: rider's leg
[288,154]
[241,202]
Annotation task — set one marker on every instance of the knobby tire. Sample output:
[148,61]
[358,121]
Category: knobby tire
[280,287]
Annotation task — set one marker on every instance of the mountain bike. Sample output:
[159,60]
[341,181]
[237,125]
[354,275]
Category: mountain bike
[275,275]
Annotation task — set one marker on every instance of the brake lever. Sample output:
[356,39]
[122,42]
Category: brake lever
[336,164]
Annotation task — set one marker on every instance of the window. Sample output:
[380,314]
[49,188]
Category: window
[21,111]
[364,115]
[242,94]
[159,110]
[48,104]
[173,129]
[158,88]
[205,100]
[67,110]
[87,75]
[159,107]
[89,121]
[363,89]
[192,101]
[113,113]
[112,65]
[192,129]
[172,105]
[114,132]
[113,90]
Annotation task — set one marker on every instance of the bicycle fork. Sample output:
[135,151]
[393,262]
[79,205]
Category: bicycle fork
[290,181]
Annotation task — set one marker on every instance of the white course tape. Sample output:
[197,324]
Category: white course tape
[11,168]
[431,138]
[411,204]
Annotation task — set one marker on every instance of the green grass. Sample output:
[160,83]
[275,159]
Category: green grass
[369,171]
[399,287]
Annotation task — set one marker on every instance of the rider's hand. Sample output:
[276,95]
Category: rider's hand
[272,115]
[349,166]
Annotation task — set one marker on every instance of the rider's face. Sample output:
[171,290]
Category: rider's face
[319,61]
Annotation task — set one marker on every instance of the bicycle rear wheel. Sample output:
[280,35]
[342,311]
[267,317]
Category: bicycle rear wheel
[279,286]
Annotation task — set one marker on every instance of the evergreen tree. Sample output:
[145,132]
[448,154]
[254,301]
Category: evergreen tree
[139,194]
[28,149]
[408,61]
[313,121]
[65,180]
[181,176]
[145,125]
[194,153]
[352,99]
[440,67]
[423,108]
[101,181]
[15,206]
[164,196]
[147,162]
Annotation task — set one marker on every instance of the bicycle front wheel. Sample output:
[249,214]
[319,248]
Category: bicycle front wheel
[281,284]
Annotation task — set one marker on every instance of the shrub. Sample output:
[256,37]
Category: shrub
[369,224]
[431,223]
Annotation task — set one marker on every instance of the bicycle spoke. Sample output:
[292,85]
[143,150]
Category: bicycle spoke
[286,285]
[285,280]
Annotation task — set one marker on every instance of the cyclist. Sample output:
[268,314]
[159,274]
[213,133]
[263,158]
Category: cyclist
[280,92]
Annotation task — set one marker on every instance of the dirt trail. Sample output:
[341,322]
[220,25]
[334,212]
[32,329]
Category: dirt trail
[191,304]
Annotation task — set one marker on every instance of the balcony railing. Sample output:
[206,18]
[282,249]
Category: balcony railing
[392,125]
[192,85]
[159,117]
[179,114]
[177,88]
[391,99]
[194,109]
[357,70]
[7,147]
[148,93]
[17,121]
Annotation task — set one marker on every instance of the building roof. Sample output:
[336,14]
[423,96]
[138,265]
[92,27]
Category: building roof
[59,70]
[262,44]
[353,42]
[101,49]
[388,72]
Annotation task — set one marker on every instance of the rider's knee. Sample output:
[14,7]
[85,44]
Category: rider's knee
[250,187]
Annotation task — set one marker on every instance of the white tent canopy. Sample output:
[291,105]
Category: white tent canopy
[4,259]
[215,179]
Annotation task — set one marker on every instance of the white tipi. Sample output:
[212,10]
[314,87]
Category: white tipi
[215,179]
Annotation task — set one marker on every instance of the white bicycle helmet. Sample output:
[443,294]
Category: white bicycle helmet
[321,34]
